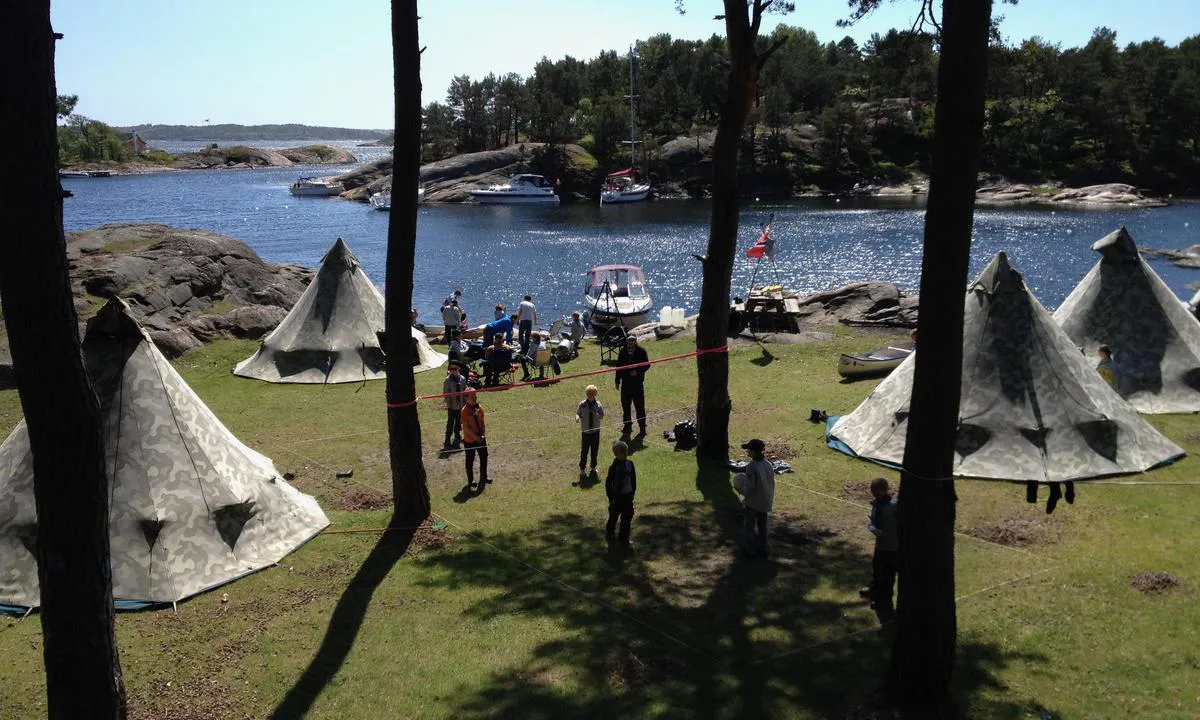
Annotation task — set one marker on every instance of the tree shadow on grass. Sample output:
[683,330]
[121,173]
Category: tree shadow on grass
[684,626]
[344,625]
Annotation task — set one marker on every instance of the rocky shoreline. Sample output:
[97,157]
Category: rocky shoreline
[450,180]
[186,287]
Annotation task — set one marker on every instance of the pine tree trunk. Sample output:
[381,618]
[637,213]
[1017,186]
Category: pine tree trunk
[83,672]
[926,633]
[410,493]
[712,328]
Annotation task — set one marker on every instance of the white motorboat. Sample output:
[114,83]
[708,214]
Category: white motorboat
[616,295]
[521,189]
[315,187]
[621,187]
[382,200]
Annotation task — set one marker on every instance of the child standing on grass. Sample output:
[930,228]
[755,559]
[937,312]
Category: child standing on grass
[474,438]
[588,415]
[453,387]
[884,563]
[620,486]
[757,486]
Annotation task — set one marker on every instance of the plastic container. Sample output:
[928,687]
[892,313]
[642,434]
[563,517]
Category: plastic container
[666,316]
[677,317]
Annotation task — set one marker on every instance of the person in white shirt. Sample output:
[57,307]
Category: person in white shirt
[526,319]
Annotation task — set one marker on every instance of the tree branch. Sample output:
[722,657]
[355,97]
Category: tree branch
[766,55]
[756,16]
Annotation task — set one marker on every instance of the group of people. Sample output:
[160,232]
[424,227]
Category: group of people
[465,426]
[498,352]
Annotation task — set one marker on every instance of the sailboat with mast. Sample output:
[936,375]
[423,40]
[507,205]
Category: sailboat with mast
[623,186]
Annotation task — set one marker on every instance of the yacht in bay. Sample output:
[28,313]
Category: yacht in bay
[523,189]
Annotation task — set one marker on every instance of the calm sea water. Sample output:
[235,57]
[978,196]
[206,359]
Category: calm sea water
[497,254]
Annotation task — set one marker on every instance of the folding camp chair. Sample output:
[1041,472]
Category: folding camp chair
[506,374]
[542,359]
[611,342]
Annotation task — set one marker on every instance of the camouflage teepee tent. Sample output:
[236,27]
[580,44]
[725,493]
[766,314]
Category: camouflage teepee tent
[1155,341]
[1032,407]
[191,506]
[330,334]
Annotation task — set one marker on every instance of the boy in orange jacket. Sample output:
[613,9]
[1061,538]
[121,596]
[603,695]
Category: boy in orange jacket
[474,438]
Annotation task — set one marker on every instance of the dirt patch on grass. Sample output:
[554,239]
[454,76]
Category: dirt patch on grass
[859,492]
[1019,531]
[362,499]
[1192,438]
[631,670]
[779,450]
[430,536]
[201,699]
[1153,583]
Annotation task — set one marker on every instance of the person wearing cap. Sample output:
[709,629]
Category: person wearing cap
[757,486]
[630,381]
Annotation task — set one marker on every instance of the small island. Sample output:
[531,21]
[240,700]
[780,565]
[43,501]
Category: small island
[91,148]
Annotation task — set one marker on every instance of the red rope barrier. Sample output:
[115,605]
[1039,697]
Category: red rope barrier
[560,378]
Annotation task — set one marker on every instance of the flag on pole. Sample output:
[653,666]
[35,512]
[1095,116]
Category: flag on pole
[765,247]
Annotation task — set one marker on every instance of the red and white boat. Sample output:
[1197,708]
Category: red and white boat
[622,187]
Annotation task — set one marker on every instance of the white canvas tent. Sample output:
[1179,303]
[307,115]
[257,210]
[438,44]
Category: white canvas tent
[1155,341]
[1032,408]
[330,336]
[191,506]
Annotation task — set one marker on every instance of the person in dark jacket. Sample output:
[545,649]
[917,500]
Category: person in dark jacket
[886,560]
[620,487]
[630,381]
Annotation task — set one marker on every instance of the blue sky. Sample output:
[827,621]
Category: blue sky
[329,63]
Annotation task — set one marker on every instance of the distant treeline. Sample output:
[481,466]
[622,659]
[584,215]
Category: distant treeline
[836,113]
[226,131]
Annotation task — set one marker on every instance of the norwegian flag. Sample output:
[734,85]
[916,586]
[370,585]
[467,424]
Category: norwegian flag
[765,247]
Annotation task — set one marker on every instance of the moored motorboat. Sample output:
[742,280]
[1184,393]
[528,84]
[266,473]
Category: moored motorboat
[524,189]
[315,187]
[877,362]
[382,200]
[616,295]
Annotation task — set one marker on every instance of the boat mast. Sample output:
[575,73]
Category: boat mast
[632,118]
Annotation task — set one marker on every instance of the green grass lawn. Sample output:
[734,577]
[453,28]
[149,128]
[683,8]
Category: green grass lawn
[517,609]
